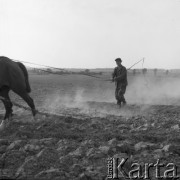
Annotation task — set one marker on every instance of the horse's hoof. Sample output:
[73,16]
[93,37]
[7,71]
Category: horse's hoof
[10,118]
[8,121]
[33,119]
[34,112]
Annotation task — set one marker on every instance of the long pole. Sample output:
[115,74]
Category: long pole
[136,63]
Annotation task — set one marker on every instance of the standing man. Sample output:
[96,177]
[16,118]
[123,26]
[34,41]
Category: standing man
[119,76]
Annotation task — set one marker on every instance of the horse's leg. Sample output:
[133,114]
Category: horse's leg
[6,108]
[10,105]
[29,101]
[7,104]
[3,122]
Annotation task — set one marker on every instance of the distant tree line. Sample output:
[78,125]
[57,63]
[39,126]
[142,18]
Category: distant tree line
[144,71]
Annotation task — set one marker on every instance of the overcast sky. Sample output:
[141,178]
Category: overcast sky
[91,33]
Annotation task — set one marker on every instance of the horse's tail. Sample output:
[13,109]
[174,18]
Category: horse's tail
[24,70]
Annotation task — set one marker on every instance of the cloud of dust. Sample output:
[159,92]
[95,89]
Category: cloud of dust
[80,102]
[152,90]
[58,100]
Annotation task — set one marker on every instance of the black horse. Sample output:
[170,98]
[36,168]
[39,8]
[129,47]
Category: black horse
[14,76]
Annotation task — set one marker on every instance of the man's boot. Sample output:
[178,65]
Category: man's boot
[119,103]
[124,101]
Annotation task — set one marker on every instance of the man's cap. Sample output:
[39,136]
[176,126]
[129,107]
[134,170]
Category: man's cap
[118,59]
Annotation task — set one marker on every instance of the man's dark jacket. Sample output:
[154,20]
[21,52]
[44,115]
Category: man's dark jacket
[120,73]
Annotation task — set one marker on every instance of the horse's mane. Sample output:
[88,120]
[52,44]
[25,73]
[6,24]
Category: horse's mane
[23,68]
